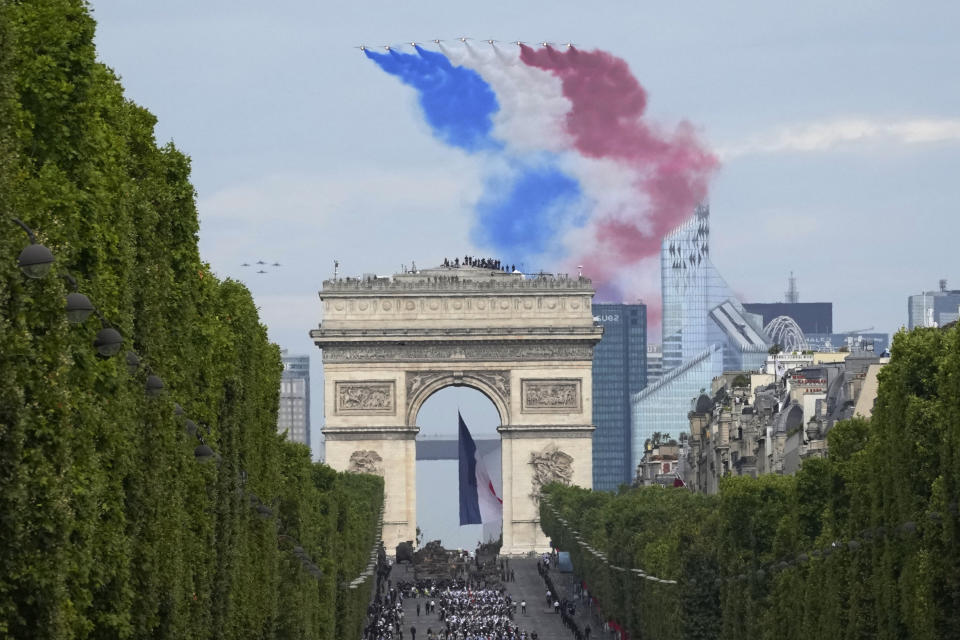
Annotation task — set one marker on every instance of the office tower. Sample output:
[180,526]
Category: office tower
[933,308]
[853,341]
[619,371]
[294,414]
[654,363]
[706,331]
[811,317]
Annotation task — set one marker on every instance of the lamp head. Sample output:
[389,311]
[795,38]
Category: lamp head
[35,261]
[79,308]
[108,342]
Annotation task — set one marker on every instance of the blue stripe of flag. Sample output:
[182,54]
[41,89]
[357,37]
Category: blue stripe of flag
[469,498]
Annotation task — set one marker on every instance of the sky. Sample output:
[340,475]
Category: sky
[837,126]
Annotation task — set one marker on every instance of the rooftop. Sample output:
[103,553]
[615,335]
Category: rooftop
[457,278]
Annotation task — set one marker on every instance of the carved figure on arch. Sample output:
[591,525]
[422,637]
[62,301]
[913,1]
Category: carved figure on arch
[550,465]
[366,461]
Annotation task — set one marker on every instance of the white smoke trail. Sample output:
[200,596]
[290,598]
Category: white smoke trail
[532,105]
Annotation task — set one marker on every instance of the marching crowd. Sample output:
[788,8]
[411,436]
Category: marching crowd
[463,613]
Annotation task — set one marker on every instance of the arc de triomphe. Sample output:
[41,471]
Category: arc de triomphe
[526,342]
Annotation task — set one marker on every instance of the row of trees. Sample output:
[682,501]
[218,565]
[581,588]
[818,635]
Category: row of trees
[863,544]
[109,528]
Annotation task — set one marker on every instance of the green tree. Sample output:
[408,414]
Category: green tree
[109,526]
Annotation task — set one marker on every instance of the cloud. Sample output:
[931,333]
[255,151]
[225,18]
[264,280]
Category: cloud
[845,133]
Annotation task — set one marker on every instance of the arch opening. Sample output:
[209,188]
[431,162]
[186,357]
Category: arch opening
[438,498]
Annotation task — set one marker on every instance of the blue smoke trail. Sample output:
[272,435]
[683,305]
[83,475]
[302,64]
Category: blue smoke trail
[522,215]
[458,103]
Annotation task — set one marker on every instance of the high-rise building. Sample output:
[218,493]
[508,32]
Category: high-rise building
[933,308]
[854,342]
[294,414]
[706,331]
[619,371]
[654,363]
[811,317]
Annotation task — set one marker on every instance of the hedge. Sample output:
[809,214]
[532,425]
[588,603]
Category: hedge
[109,528]
[863,544]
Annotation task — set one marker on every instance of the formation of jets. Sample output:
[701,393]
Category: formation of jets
[262,263]
[464,39]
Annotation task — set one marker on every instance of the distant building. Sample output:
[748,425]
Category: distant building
[660,465]
[705,332]
[654,363]
[751,423]
[933,308]
[619,371]
[811,317]
[855,341]
[294,415]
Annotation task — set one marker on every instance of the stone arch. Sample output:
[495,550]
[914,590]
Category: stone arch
[494,385]
[389,343]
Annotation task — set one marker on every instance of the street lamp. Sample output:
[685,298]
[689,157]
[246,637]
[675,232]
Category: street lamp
[79,306]
[154,386]
[35,260]
[133,362]
[108,341]
[203,453]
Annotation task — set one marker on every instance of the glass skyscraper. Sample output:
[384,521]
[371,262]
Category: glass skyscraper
[294,412]
[706,331]
[619,371]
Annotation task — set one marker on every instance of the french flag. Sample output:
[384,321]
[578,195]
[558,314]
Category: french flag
[479,502]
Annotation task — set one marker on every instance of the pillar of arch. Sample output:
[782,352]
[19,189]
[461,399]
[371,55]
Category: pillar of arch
[527,344]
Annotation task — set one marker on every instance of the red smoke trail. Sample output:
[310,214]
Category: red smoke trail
[606,121]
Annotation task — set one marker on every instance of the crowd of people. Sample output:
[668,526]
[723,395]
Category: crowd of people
[466,607]
[463,612]
[385,616]
[483,263]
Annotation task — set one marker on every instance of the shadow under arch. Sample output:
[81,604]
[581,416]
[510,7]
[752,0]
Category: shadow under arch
[494,386]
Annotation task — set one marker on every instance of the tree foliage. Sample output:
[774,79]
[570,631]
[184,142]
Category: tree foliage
[108,526]
[863,544]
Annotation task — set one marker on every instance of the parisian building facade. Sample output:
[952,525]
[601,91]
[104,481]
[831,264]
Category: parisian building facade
[619,372]
[757,422]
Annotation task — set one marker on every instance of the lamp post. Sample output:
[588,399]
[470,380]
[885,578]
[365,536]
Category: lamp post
[79,306]
[35,260]
[154,385]
[203,453]
[133,362]
[108,341]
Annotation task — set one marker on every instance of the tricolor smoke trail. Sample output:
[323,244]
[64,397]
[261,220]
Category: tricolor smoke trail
[576,172]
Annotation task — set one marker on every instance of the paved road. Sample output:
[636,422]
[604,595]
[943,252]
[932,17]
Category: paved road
[528,586]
